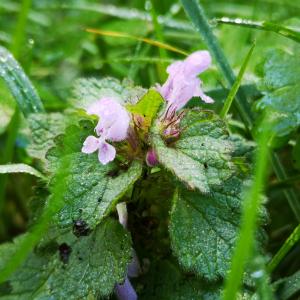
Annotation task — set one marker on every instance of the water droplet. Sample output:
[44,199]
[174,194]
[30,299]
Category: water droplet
[148,5]
[258,274]
[3,59]
[31,42]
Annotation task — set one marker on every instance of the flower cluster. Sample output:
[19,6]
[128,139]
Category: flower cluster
[183,83]
[114,121]
[112,126]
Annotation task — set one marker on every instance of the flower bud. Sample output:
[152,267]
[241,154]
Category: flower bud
[151,158]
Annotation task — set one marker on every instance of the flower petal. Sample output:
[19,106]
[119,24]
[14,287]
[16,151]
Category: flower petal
[106,153]
[90,145]
[114,119]
[125,291]
[183,83]
[134,268]
[199,93]
[196,63]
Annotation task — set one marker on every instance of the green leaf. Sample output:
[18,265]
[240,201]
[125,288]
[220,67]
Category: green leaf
[89,266]
[281,89]
[204,229]
[44,128]
[165,281]
[91,189]
[148,106]
[289,286]
[87,91]
[201,157]
[20,168]
[19,84]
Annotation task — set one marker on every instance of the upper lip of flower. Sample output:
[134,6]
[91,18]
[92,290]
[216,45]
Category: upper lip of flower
[183,83]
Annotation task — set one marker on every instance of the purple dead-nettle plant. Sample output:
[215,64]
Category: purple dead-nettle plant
[113,126]
[182,84]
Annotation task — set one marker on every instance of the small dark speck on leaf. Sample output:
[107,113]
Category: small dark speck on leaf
[80,228]
[64,252]
[205,165]
[113,173]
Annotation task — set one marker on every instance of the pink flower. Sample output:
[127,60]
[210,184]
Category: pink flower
[113,126]
[183,83]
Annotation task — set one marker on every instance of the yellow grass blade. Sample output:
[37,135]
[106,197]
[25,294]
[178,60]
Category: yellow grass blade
[137,38]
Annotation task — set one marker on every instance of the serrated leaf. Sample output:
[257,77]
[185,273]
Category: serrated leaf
[87,91]
[282,90]
[89,268]
[19,84]
[20,168]
[204,229]
[201,157]
[44,128]
[91,192]
[165,281]
[92,189]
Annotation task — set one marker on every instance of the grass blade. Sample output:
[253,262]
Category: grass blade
[196,13]
[161,67]
[262,25]
[19,34]
[236,85]
[19,84]
[20,168]
[54,203]
[121,13]
[285,248]
[7,156]
[198,18]
[145,40]
[252,203]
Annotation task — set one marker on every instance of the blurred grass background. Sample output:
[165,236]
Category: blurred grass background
[51,43]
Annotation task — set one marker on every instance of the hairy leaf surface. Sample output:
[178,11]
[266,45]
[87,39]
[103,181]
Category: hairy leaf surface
[165,281]
[91,189]
[281,88]
[201,157]
[87,91]
[90,267]
[44,128]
